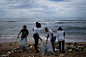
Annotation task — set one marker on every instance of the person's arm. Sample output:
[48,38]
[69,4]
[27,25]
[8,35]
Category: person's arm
[64,34]
[47,38]
[57,34]
[38,36]
[52,36]
[27,34]
[19,34]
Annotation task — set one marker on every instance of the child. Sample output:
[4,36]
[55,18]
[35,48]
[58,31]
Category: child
[36,35]
[25,33]
[61,40]
[52,35]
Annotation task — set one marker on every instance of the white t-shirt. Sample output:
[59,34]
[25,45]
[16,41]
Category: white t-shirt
[36,30]
[60,35]
[49,32]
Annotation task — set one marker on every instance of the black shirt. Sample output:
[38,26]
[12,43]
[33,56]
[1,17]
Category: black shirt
[24,33]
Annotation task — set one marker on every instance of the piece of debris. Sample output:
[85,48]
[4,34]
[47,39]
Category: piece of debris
[70,50]
[61,54]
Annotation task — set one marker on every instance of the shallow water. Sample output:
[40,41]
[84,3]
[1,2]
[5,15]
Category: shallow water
[75,28]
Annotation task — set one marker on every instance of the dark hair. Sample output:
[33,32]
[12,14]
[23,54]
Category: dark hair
[24,26]
[38,24]
[46,28]
[60,28]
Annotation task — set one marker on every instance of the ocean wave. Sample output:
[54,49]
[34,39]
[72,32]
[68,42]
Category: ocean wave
[72,20]
[12,21]
[75,28]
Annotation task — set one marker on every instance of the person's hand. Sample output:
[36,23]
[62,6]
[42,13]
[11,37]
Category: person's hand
[46,40]
[51,39]
[40,39]
[18,37]
[25,37]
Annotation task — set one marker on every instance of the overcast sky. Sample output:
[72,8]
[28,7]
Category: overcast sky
[42,8]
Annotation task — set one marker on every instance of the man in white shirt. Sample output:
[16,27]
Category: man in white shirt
[52,35]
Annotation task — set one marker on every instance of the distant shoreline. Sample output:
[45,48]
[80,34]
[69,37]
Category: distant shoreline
[32,40]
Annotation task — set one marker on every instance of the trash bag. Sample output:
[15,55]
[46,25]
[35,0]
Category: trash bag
[23,43]
[43,48]
[50,48]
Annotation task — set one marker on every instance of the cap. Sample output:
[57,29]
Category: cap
[39,24]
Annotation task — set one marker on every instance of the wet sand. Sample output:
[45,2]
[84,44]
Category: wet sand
[73,50]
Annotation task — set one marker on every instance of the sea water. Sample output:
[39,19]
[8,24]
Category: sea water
[75,28]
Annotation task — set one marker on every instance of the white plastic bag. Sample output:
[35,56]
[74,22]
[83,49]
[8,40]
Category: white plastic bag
[42,48]
[23,43]
[50,48]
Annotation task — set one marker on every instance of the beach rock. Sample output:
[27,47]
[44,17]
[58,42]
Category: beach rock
[69,43]
[76,49]
[84,48]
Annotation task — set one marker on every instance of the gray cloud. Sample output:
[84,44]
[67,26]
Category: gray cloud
[44,8]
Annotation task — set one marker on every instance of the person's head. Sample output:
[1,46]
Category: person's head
[60,29]
[24,27]
[46,29]
[38,25]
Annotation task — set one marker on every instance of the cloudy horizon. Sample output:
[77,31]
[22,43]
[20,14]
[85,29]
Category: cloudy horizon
[42,8]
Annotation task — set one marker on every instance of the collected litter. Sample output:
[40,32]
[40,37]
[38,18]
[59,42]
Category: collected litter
[46,48]
[70,50]
[3,55]
[42,48]
[31,46]
[50,48]
[23,44]
[8,53]
[62,55]
[56,49]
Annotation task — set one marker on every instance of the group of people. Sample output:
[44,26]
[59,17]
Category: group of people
[60,36]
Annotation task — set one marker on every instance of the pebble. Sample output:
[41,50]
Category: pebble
[84,48]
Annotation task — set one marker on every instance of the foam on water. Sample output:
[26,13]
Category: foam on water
[10,27]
